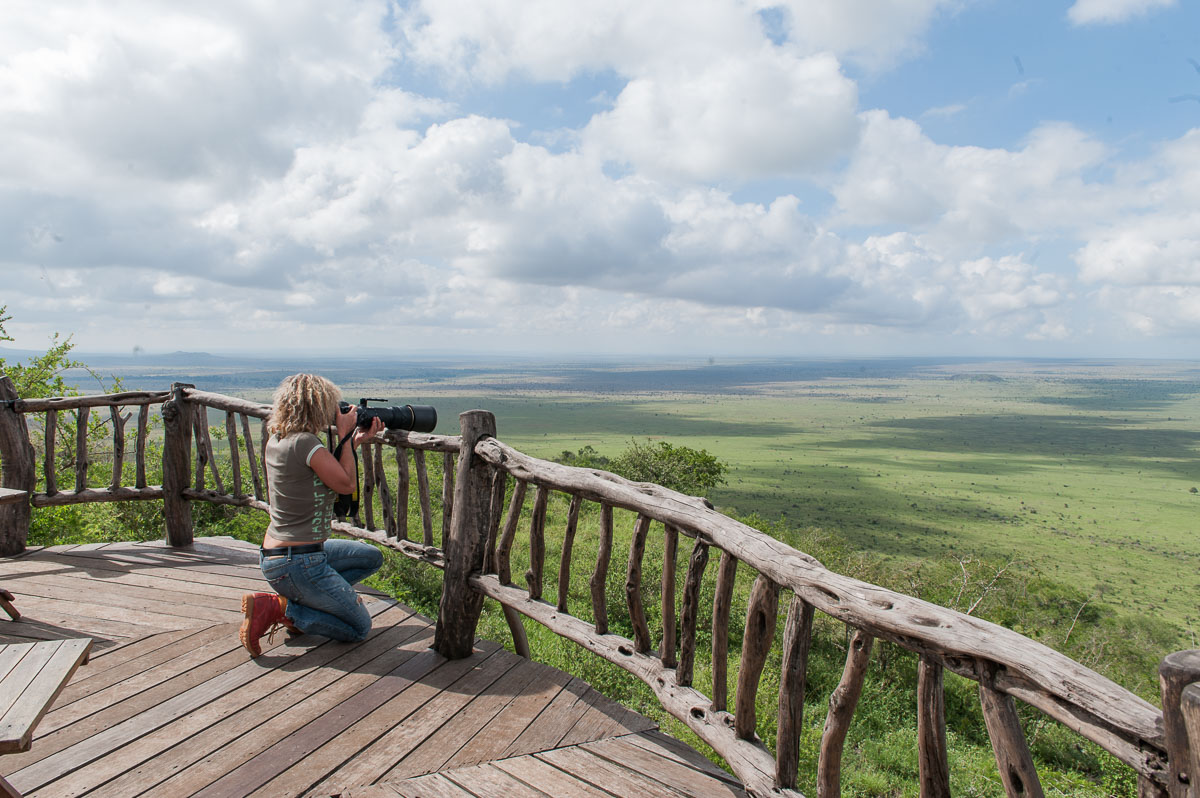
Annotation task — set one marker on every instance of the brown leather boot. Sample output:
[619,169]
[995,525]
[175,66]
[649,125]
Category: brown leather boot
[263,612]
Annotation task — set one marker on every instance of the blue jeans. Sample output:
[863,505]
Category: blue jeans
[319,588]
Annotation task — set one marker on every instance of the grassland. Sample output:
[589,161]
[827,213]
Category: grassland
[888,470]
[1082,469]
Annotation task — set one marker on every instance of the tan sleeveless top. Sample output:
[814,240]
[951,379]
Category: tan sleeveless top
[301,504]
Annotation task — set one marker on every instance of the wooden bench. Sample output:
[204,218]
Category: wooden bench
[11,496]
[31,677]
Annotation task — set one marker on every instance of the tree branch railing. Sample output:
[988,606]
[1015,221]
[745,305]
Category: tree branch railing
[479,538]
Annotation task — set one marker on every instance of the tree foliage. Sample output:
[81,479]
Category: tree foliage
[691,471]
[681,468]
[586,457]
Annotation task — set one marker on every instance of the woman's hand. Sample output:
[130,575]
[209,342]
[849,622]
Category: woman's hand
[346,422]
[367,433]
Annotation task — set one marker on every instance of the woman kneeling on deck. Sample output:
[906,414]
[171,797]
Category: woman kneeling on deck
[313,576]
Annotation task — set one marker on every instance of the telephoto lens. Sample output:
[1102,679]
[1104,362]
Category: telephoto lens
[410,418]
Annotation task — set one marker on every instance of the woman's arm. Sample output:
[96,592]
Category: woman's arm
[338,474]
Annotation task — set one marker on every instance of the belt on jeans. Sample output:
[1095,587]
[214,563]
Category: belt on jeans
[283,551]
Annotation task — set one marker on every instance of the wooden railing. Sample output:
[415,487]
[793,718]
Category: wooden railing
[485,490]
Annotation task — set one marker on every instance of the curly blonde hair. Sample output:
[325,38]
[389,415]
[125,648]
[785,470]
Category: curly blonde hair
[304,403]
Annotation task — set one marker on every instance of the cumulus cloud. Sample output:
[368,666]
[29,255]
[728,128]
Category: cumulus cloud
[975,196]
[271,173]
[760,115]
[1107,12]
[872,33]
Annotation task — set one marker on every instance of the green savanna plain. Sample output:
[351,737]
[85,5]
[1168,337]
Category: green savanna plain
[1087,471]
[1074,479]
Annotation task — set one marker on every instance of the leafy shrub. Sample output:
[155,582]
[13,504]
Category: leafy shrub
[691,471]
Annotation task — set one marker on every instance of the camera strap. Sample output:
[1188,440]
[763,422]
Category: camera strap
[346,504]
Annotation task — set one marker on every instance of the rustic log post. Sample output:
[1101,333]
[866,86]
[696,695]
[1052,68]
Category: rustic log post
[143,430]
[264,435]
[564,563]
[1190,706]
[756,645]
[447,493]
[691,608]
[423,497]
[667,650]
[198,439]
[537,543]
[501,563]
[842,704]
[793,678]
[367,496]
[19,471]
[1013,759]
[48,464]
[460,605]
[235,462]
[722,603]
[633,586]
[81,449]
[496,515]
[118,463]
[934,763]
[385,493]
[402,497]
[177,464]
[251,460]
[599,580]
[1176,672]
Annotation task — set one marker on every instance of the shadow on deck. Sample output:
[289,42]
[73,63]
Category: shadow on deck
[171,705]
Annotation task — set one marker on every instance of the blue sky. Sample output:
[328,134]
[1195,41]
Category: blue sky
[716,177]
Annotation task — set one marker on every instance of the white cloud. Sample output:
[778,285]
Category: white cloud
[972,196]
[1093,12]
[755,115]
[261,171]
[869,32]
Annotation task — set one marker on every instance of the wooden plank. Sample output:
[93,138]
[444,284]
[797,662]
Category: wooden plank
[491,780]
[33,686]
[188,738]
[72,625]
[81,721]
[307,745]
[23,662]
[13,496]
[98,565]
[605,774]
[663,769]
[240,738]
[46,564]
[433,786]
[155,670]
[553,723]
[373,791]
[207,687]
[101,664]
[606,718]
[667,746]
[543,776]
[97,592]
[126,621]
[495,738]
[394,731]
[455,736]
[306,757]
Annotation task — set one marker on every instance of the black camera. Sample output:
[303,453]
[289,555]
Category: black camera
[411,418]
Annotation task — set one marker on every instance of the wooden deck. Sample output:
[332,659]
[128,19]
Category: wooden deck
[171,704]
